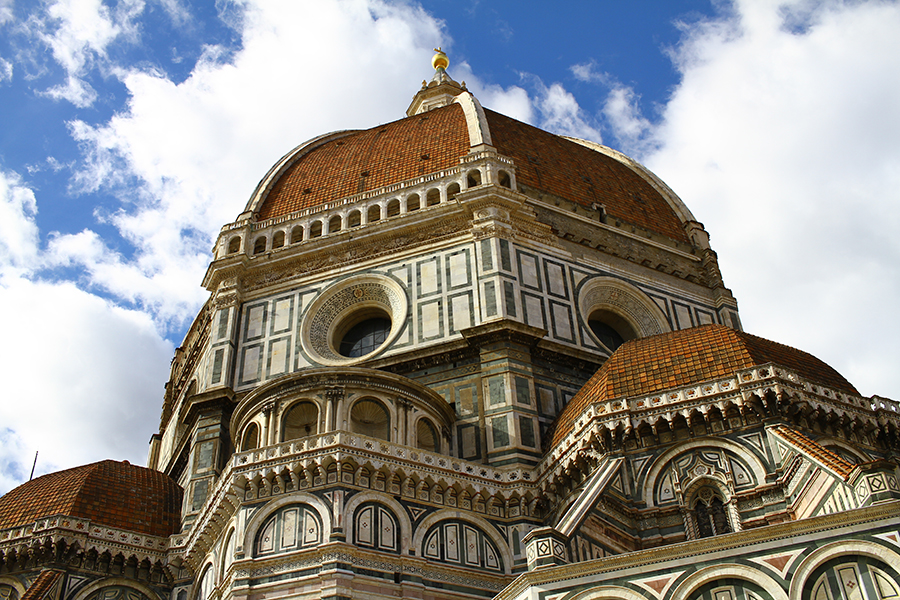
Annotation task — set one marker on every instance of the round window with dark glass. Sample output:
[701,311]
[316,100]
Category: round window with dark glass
[365,337]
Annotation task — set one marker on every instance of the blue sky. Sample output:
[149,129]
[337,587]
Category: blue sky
[131,131]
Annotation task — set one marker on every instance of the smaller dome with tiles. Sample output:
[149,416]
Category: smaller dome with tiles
[111,493]
[688,356]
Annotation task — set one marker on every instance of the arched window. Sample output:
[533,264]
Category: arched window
[375,526]
[370,417]
[334,224]
[228,554]
[354,219]
[207,583]
[374,213]
[426,439]
[297,234]
[710,514]
[291,528]
[412,203]
[452,191]
[611,329]
[234,245]
[504,179]
[473,178]
[433,197]
[300,421]
[259,246]
[315,229]
[250,439]
[278,239]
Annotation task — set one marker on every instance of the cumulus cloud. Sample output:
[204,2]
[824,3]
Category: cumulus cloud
[78,369]
[184,157]
[783,138]
[18,231]
[560,113]
[76,366]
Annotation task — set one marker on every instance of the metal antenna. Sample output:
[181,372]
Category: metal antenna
[33,465]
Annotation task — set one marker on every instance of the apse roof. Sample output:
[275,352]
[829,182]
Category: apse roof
[688,356]
[111,493]
[347,163]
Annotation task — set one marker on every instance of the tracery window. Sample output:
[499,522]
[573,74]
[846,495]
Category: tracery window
[710,515]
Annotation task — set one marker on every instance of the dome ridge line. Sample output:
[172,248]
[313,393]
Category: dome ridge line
[261,192]
[476,121]
[676,203]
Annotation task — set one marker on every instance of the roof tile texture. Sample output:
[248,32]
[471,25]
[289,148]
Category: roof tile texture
[395,152]
[686,357]
[547,162]
[111,493]
[42,585]
[368,160]
[816,451]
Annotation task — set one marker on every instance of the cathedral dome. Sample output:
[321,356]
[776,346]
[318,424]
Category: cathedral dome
[550,167]
[689,356]
[111,493]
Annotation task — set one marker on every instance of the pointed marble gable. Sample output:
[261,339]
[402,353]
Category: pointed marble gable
[416,512]
[73,582]
[616,484]
[780,562]
[892,537]
[637,465]
[578,276]
[755,441]
[658,586]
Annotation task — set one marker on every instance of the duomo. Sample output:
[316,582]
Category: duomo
[457,357]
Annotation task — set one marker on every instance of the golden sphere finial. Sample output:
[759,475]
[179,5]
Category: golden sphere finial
[440,60]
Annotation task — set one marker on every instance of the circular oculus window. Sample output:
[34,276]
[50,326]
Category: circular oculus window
[353,320]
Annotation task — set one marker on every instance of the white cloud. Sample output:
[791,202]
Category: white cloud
[78,368]
[75,367]
[784,138]
[77,33]
[18,231]
[624,117]
[6,70]
[185,157]
[561,114]
[6,11]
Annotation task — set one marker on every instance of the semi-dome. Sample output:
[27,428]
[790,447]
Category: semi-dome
[342,164]
[689,356]
[111,493]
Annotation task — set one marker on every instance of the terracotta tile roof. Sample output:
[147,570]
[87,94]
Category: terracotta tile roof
[111,493]
[684,357]
[815,451]
[370,159]
[42,585]
[390,153]
[547,162]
